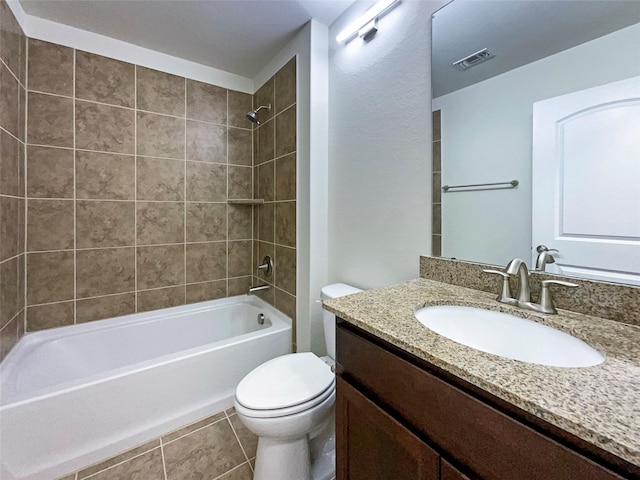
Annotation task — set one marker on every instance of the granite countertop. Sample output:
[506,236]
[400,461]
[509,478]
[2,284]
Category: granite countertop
[599,404]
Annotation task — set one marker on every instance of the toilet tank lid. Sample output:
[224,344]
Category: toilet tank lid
[338,290]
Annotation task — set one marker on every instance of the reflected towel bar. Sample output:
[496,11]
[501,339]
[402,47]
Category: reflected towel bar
[512,184]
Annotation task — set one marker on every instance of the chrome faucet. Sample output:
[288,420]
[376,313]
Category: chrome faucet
[258,289]
[518,267]
[544,257]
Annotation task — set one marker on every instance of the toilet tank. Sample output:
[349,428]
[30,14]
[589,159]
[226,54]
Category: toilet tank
[333,291]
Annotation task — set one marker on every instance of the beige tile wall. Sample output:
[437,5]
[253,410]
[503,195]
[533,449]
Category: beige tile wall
[218,447]
[436,222]
[274,141]
[128,175]
[12,203]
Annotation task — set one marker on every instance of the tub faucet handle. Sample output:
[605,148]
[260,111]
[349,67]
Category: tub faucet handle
[267,266]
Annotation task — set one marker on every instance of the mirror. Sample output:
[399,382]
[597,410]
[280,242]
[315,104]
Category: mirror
[554,103]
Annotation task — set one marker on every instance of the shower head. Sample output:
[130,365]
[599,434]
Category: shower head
[253,114]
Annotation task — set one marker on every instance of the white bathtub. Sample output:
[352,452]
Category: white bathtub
[73,396]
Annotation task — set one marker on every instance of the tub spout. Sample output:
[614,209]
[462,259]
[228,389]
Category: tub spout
[258,289]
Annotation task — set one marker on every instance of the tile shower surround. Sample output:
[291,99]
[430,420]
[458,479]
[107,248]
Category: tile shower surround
[218,447]
[129,170]
[12,202]
[128,174]
[274,173]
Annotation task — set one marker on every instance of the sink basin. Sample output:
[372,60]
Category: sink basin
[508,336]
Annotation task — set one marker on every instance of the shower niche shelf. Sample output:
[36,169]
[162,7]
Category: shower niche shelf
[246,201]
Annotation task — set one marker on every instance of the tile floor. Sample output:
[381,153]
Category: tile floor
[218,447]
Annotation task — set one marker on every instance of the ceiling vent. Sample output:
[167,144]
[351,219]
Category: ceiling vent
[474,59]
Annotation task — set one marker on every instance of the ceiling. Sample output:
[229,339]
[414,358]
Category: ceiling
[237,36]
[518,32]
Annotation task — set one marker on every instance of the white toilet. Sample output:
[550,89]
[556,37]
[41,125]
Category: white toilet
[288,403]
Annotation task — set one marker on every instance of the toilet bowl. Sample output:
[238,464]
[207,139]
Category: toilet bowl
[288,403]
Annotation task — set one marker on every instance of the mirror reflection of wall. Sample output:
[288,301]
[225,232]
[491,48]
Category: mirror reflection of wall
[542,50]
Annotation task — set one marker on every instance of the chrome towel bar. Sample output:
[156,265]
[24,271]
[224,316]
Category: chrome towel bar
[512,184]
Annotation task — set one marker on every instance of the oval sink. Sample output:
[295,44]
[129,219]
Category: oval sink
[508,336]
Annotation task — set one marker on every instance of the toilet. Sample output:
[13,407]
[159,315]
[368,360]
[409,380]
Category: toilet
[288,403]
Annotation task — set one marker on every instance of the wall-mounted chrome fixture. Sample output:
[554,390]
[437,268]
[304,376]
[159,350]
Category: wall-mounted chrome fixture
[484,186]
[259,288]
[367,24]
[267,266]
[253,114]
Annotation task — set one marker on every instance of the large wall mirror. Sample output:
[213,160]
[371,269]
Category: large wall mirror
[546,93]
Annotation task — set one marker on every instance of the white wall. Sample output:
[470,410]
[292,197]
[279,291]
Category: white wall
[487,137]
[380,147]
[310,47]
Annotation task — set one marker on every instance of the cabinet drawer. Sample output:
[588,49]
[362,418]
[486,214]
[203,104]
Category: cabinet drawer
[490,443]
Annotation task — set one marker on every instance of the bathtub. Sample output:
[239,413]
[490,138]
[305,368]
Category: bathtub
[73,396]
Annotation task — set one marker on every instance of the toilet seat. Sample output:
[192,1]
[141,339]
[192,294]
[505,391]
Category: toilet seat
[285,385]
[283,412]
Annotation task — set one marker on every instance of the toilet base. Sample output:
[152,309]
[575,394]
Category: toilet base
[302,458]
[322,451]
[284,459]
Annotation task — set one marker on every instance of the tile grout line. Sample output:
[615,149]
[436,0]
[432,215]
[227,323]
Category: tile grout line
[115,464]
[136,109]
[227,207]
[235,434]
[9,321]
[192,431]
[135,189]
[164,463]
[120,200]
[75,203]
[25,169]
[119,247]
[275,146]
[254,208]
[124,154]
[184,197]
[20,84]
[226,274]
[11,134]
[128,292]
[231,470]
[273,191]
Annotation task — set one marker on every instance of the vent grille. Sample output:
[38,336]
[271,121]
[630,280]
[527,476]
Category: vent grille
[474,59]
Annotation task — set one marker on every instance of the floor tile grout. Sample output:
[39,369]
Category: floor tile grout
[237,438]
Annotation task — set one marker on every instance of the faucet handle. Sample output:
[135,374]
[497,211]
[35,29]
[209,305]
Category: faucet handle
[545,304]
[544,248]
[546,283]
[505,294]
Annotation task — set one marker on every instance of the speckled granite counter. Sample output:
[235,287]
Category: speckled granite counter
[599,404]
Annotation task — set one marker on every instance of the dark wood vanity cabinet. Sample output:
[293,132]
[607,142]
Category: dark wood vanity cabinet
[398,419]
[376,446]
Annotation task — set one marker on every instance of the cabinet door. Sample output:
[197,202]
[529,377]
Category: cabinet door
[371,445]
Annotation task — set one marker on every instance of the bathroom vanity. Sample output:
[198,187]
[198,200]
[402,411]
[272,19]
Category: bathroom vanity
[415,405]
